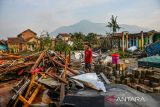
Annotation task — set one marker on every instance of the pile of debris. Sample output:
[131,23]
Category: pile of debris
[146,80]
[11,69]
[49,79]
[5,56]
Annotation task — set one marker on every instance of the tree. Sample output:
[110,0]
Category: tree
[61,46]
[78,39]
[113,24]
[92,39]
[45,41]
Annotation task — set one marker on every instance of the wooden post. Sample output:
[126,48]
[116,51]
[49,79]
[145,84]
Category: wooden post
[142,40]
[69,59]
[58,63]
[38,61]
[66,66]
[62,89]
[126,40]
[34,75]
[123,42]
[57,77]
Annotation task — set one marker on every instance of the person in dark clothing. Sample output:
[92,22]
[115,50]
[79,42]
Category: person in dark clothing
[87,57]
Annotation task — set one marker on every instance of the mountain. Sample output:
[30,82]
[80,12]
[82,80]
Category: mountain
[86,27]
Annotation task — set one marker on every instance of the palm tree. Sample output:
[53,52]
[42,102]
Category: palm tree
[113,24]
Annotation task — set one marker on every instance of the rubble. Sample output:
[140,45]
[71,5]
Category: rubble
[46,78]
[47,71]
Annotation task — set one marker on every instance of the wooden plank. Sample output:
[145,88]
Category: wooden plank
[38,61]
[105,79]
[58,63]
[62,91]
[34,94]
[57,77]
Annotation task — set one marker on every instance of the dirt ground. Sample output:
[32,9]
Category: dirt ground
[5,93]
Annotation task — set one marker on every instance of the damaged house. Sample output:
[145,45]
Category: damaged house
[126,40]
[25,41]
[64,36]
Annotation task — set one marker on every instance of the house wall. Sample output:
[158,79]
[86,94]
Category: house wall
[13,48]
[33,44]
[136,41]
[64,38]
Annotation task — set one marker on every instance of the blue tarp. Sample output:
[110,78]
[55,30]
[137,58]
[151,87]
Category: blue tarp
[3,47]
[153,49]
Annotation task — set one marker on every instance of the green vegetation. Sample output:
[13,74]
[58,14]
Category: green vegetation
[77,39]
[124,55]
[45,42]
[92,39]
[62,46]
[113,24]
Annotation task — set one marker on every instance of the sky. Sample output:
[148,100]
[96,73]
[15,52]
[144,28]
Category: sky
[47,15]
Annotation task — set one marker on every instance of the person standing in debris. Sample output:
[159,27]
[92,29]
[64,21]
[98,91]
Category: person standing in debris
[87,57]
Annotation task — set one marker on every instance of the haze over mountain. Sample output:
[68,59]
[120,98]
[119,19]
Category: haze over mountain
[86,27]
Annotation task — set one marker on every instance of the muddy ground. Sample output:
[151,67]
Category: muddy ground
[5,92]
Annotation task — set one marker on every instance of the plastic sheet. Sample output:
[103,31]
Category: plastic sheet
[153,49]
[91,80]
[107,59]
[132,49]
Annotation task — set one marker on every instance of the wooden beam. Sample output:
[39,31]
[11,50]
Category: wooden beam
[105,79]
[33,67]
[58,63]
[38,61]
[126,40]
[62,90]
[57,77]
[123,42]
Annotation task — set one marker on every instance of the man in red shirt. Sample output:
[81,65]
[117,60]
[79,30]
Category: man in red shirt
[87,57]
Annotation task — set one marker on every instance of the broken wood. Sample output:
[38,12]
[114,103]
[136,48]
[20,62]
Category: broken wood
[62,90]
[58,63]
[33,67]
[38,61]
[16,67]
[56,77]
[105,79]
